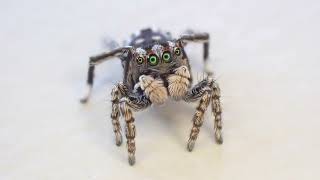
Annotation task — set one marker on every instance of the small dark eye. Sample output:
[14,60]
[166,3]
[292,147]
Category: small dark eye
[153,60]
[177,51]
[166,56]
[140,60]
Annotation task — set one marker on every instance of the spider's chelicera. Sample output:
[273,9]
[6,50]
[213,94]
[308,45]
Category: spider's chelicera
[156,68]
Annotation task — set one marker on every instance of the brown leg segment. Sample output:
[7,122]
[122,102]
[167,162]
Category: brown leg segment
[115,113]
[198,119]
[128,102]
[216,109]
[130,131]
[208,92]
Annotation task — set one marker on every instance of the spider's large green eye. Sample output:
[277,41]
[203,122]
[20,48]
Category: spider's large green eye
[166,56]
[140,60]
[153,60]
[177,51]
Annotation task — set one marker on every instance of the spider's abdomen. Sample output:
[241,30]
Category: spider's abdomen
[147,37]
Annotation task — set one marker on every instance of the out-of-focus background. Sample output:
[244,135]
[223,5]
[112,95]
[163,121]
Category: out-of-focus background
[265,55]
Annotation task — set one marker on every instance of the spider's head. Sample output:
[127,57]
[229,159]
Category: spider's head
[159,58]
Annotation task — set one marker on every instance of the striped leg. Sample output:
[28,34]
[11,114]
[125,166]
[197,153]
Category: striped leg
[127,104]
[130,132]
[201,91]
[115,113]
[216,109]
[198,120]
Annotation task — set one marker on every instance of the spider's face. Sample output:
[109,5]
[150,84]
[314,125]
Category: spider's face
[159,59]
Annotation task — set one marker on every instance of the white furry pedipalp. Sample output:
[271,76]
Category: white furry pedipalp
[154,89]
[179,82]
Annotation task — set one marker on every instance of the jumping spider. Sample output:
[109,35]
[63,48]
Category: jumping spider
[156,67]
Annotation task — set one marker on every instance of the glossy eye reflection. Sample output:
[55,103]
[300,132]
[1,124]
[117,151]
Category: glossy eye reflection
[153,60]
[140,60]
[177,51]
[166,56]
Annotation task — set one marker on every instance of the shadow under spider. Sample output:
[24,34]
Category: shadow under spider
[175,117]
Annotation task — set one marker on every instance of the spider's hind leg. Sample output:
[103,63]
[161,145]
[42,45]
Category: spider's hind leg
[204,38]
[95,60]
[90,78]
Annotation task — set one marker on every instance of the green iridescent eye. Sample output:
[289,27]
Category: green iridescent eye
[177,51]
[153,60]
[166,56]
[140,60]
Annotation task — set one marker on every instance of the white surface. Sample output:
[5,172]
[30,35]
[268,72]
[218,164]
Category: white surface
[266,59]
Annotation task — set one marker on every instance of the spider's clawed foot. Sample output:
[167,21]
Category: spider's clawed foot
[220,140]
[131,159]
[218,137]
[190,145]
[85,99]
[118,138]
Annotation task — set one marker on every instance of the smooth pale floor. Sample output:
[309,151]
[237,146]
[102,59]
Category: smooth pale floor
[265,56]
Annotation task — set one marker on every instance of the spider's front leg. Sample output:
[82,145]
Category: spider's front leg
[216,109]
[128,103]
[207,90]
[117,93]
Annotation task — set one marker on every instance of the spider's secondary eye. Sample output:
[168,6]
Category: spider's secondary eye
[153,60]
[166,56]
[140,60]
[177,51]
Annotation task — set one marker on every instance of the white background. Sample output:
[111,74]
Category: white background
[265,56]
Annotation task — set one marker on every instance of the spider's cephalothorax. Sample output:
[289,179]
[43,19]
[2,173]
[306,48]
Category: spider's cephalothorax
[156,67]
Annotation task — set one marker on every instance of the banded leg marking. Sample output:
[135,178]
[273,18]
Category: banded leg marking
[198,120]
[130,131]
[115,113]
[217,111]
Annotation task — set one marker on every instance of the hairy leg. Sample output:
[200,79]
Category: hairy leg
[216,105]
[127,104]
[216,109]
[201,91]
[198,119]
[116,94]
[130,132]
[207,91]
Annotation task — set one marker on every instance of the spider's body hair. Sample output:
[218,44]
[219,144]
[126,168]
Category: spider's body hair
[156,42]
[156,67]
